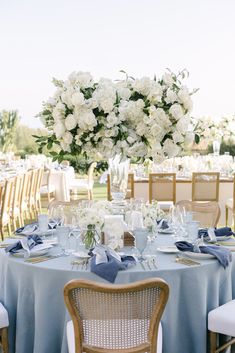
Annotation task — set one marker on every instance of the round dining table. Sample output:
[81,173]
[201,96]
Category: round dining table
[33,296]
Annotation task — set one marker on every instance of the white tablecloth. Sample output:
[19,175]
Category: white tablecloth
[61,180]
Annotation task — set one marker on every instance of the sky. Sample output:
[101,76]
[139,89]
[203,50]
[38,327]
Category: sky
[42,39]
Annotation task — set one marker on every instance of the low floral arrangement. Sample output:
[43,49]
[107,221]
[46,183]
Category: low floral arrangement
[91,221]
[142,118]
[151,214]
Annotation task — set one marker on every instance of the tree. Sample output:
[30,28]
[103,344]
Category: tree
[8,125]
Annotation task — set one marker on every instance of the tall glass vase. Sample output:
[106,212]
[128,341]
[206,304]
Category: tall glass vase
[216,147]
[118,172]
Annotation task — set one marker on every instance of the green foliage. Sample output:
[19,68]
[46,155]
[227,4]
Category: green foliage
[9,121]
[81,165]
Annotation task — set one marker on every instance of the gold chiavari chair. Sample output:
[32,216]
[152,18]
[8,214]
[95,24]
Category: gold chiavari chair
[230,206]
[130,187]
[47,188]
[32,192]
[83,186]
[115,318]
[162,188]
[207,213]
[24,197]
[37,195]
[205,186]
[15,209]
[6,205]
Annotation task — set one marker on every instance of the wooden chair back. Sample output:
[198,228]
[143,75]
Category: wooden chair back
[122,318]
[7,199]
[205,186]
[90,172]
[130,194]
[162,187]
[17,191]
[207,213]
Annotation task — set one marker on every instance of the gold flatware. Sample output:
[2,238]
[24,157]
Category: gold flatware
[5,245]
[187,262]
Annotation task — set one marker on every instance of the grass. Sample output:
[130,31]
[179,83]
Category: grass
[99,191]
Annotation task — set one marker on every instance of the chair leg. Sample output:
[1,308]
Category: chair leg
[226,216]
[5,340]
[1,231]
[213,339]
[9,229]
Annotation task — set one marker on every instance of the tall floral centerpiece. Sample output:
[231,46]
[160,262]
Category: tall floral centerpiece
[133,118]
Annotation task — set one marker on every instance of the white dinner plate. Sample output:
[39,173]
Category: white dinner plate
[32,254]
[168,249]
[197,255]
[224,237]
[81,255]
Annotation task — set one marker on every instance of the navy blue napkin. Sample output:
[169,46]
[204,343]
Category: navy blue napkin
[32,240]
[109,270]
[164,224]
[33,227]
[219,232]
[223,255]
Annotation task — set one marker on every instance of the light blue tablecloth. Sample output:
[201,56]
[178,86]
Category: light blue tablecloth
[33,296]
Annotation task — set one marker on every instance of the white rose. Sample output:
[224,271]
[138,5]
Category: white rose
[176,111]
[84,79]
[183,124]
[170,148]
[178,137]
[59,129]
[189,138]
[185,98]
[168,79]
[70,122]
[142,85]
[171,96]
[65,147]
[66,98]
[68,138]
[77,98]
[155,93]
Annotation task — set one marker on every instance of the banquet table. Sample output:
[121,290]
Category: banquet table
[33,296]
[184,192]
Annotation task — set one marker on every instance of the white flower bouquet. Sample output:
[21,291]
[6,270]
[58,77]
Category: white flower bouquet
[151,214]
[143,118]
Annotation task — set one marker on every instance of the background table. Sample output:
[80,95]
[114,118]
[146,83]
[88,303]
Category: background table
[33,296]
[61,178]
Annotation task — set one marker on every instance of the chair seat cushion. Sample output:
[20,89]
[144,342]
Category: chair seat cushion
[45,189]
[71,338]
[81,184]
[4,321]
[229,203]
[222,319]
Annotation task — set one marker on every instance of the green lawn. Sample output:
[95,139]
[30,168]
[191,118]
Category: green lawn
[99,191]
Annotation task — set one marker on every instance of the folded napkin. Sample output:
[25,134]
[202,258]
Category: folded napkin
[106,263]
[223,255]
[219,232]
[163,224]
[33,228]
[27,244]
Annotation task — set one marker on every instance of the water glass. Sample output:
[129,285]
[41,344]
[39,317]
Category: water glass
[43,223]
[63,235]
[141,238]
[192,229]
